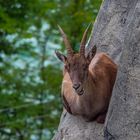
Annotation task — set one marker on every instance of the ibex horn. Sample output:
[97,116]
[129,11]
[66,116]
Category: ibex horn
[83,41]
[66,42]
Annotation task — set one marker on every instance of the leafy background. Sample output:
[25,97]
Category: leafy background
[30,74]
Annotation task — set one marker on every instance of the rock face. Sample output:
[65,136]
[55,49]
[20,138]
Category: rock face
[75,128]
[116,32]
[123,121]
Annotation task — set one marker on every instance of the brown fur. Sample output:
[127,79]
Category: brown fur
[87,81]
[98,88]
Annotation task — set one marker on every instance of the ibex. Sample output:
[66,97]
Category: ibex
[87,81]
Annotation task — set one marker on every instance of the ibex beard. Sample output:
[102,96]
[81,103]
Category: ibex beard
[88,80]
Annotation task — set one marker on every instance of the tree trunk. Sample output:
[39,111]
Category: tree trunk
[116,32]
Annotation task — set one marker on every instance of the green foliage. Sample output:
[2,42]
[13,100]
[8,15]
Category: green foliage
[30,75]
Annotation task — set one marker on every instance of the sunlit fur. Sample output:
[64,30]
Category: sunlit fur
[96,74]
[97,85]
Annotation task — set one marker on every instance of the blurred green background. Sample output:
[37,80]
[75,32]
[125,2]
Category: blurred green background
[30,74]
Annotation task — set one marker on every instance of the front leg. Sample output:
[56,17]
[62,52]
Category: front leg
[66,105]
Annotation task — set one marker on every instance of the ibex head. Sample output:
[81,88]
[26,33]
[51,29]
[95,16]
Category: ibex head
[76,64]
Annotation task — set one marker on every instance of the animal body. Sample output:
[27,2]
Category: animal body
[87,81]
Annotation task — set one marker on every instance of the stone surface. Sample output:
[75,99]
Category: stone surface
[116,32]
[123,121]
[75,128]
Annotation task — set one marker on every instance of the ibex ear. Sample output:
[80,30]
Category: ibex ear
[91,53]
[60,56]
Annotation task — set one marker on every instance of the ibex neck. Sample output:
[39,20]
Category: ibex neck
[89,84]
[90,94]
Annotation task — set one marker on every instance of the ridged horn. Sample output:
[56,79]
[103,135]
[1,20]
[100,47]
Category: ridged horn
[66,42]
[83,41]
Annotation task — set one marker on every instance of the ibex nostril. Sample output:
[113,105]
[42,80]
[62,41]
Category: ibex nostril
[76,86]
